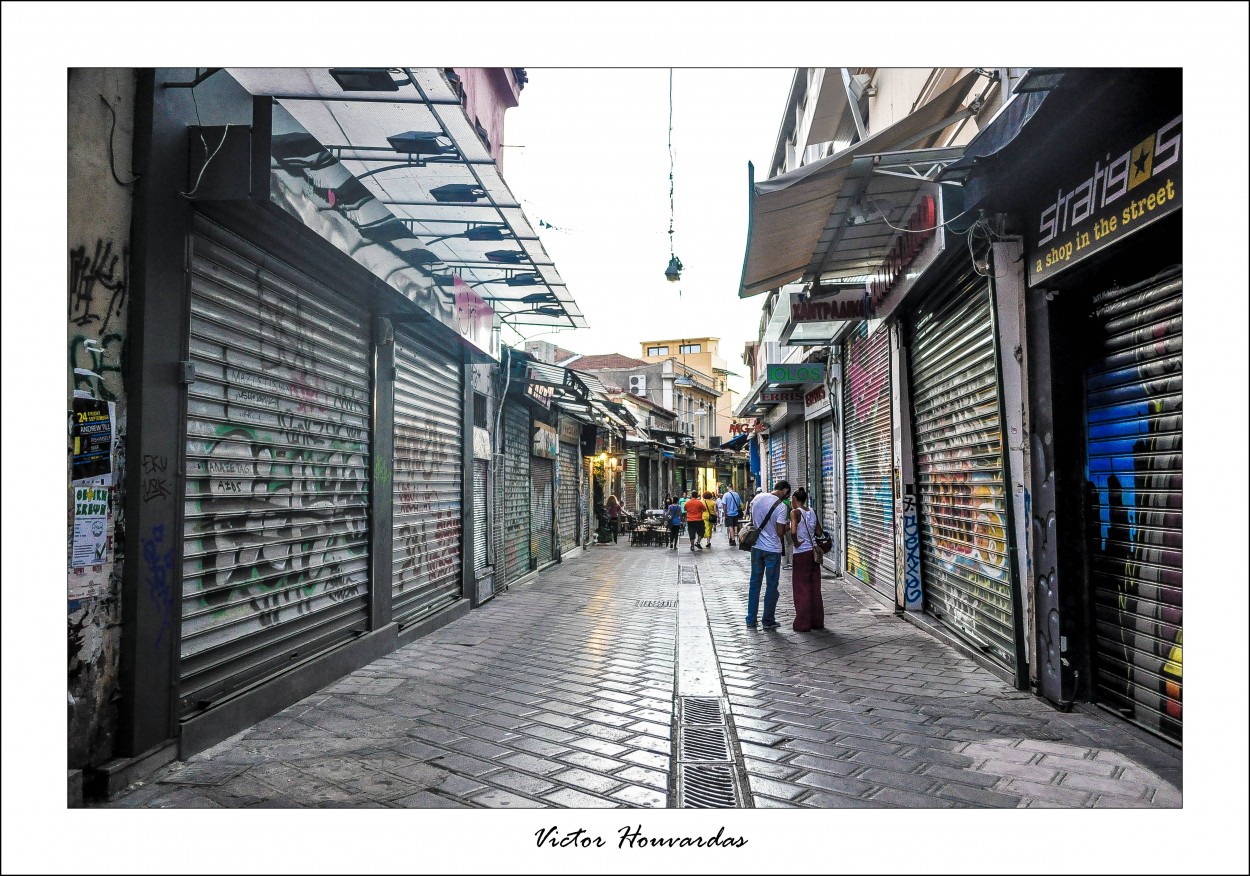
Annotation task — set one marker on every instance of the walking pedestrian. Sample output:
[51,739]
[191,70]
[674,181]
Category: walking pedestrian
[768,514]
[720,509]
[786,550]
[709,516]
[674,516]
[809,606]
[613,506]
[733,511]
[695,510]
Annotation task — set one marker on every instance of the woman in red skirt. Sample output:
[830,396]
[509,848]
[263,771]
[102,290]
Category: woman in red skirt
[809,607]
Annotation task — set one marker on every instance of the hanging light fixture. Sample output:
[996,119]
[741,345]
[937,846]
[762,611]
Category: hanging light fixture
[673,271]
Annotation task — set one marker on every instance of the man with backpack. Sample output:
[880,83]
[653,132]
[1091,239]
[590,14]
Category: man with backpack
[770,521]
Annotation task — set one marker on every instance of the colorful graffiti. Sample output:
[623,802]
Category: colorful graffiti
[869,493]
[1134,476]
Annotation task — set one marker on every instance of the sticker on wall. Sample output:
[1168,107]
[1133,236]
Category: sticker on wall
[91,431]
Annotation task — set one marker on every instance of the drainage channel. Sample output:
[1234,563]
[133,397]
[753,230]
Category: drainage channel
[707,762]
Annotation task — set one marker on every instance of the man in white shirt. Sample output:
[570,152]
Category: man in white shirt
[733,513]
[771,517]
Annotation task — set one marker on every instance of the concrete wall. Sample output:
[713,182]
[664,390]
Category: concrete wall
[98,278]
[489,92]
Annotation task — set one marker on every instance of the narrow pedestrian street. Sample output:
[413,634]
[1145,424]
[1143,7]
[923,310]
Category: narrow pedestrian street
[596,683]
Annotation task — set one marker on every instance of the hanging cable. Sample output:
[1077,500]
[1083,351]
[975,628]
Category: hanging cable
[671,209]
[112,160]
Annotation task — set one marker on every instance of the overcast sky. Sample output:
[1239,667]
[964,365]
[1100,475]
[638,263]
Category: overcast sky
[588,153]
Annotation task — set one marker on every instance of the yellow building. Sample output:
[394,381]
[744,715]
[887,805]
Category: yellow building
[703,356]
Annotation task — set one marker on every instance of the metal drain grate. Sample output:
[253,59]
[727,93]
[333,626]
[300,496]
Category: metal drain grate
[687,575]
[704,744]
[657,603]
[709,786]
[698,710]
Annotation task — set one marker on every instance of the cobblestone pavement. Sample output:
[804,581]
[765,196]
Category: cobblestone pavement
[560,693]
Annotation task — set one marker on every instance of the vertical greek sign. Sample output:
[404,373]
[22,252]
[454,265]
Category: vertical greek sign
[911,556]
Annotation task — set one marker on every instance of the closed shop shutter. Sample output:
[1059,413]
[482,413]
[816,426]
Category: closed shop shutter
[828,476]
[776,458]
[586,501]
[796,468]
[516,494]
[630,494]
[644,484]
[567,510]
[541,484]
[275,538]
[959,466]
[427,483]
[481,554]
[867,427]
[1133,399]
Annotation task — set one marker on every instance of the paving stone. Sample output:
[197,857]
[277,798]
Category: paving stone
[428,800]
[496,799]
[1109,802]
[462,763]
[971,777]
[910,799]
[904,781]
[1166,795]
[647,759]
[826,764]
[763,802]
[768,768]
[597,746]
[774,788]
[1052,794]
[634,795]
[1029,771]
[1073,766]
[537,746]
[599,731]
[657,779]
[828,800]
[1105,785]
[516,781]
[827,782]
[979,796]
[572,799]
[590,761]
[586,781]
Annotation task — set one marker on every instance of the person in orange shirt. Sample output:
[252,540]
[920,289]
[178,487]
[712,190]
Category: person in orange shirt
[695,510]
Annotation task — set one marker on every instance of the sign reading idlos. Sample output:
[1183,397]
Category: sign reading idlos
[808,372]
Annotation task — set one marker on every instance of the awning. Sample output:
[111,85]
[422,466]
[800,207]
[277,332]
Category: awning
[438,190]
[794,218]
[736,442]
[998,133]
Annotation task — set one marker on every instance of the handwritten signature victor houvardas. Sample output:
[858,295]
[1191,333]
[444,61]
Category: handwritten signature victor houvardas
[632,837]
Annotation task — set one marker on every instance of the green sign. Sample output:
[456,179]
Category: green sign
[813,372]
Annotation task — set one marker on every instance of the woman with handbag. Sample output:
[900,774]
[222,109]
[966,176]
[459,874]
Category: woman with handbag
[809,606]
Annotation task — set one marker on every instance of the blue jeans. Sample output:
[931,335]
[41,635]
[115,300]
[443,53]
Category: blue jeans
[764,567]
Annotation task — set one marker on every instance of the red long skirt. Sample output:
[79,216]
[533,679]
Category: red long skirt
[809,607]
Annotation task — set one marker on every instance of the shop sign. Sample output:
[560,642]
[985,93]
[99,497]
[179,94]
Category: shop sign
[808,372]
[847,302]
[816,401]
[570,430]
[1109,195]
[746,428]
[911,255]
[545,441]
[780,396]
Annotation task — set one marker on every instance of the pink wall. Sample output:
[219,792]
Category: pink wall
[488,93]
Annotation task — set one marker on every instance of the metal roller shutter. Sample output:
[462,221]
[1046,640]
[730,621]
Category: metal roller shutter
[796,457]
[566,508]
[644,484]
[481,555]
[516,494]
[275,533]
[541,484]
[1133,398]
[828,478]
[867,424]
[776,458]
[629,495]
[429,388]
[959,466]
[586,501]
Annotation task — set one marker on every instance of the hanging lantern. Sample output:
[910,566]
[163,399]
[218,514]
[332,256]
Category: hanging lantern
[673,271]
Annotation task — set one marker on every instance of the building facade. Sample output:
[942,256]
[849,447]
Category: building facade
[930,309]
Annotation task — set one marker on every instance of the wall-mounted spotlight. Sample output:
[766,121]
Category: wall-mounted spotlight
[458,193]
[487,232]
[506,256]
[422,143]
[522,280]
[364,79]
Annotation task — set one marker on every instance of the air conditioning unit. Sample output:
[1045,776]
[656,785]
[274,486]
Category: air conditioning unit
[638,384]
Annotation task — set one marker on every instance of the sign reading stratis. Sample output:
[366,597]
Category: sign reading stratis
[1127,188]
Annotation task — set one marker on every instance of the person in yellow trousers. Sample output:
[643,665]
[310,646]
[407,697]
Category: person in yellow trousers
[709,516]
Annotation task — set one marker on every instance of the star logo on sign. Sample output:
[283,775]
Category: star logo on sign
[1143,160]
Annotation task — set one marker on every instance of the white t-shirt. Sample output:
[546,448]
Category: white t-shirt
[807,530]
[766,521]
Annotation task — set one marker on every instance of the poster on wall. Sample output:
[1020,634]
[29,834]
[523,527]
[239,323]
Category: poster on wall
[90,544]
[91,432]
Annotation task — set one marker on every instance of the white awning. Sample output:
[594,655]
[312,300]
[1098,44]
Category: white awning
[794,218]
[484,237]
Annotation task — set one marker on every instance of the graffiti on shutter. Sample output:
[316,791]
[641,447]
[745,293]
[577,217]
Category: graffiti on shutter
[959,467]
[541,541]
[1133,399]
[867,430]
[516,493]
[275,541]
